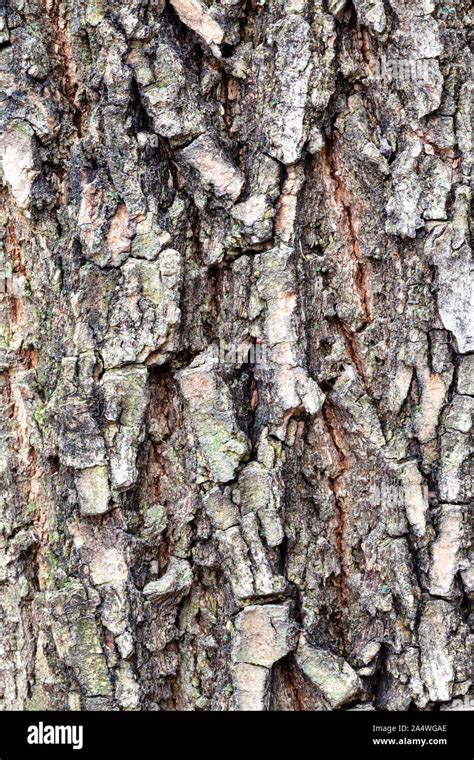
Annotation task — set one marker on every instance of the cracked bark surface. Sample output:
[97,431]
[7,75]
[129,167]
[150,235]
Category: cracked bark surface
[184,531]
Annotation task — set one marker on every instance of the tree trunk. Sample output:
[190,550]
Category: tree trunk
[236,355]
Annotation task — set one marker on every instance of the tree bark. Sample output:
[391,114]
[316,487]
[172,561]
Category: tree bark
[236,355]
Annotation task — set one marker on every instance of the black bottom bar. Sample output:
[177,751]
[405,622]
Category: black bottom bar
[117,735]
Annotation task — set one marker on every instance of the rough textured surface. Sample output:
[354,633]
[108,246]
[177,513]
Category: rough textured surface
[334,678]
[236,362]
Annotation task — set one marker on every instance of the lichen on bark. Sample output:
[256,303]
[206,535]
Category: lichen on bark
[235,355]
